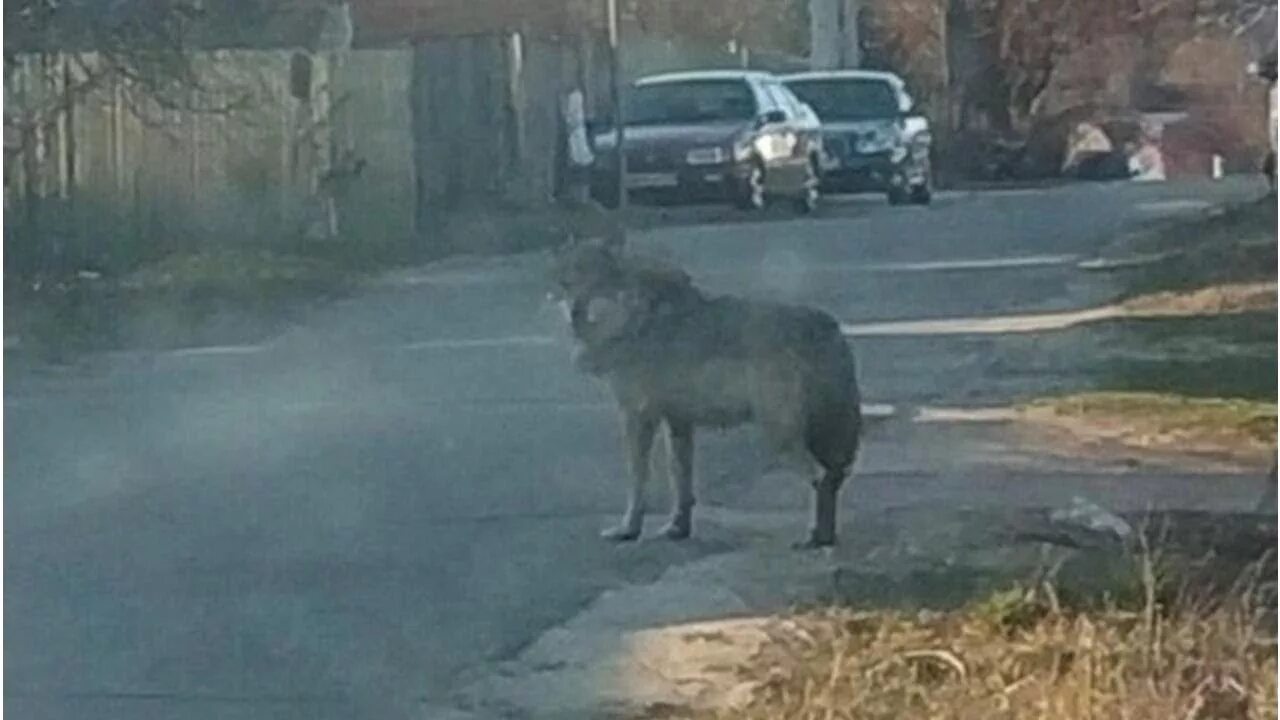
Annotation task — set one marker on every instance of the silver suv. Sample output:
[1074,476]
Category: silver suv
[874,139]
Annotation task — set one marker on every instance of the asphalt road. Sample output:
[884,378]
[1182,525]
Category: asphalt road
[337,523]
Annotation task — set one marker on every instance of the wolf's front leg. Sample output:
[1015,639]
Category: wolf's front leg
[637,434]
[680,444]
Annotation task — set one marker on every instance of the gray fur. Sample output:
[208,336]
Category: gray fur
[678,358]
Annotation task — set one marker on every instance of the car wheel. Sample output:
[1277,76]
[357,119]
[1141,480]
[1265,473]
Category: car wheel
[807,200]
[921,194]
[751,194]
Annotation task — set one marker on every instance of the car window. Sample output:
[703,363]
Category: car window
[781,98]
[690,101]
[767,100]
[848,99]
[793,103]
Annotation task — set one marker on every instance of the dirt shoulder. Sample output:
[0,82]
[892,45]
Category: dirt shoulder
[1224,299]
[1239,430]
[1008,657]
[1012,622]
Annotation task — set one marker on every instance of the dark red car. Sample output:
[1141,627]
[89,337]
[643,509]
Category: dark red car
[740,136]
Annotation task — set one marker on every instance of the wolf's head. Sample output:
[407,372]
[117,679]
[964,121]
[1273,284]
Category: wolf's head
[608,296]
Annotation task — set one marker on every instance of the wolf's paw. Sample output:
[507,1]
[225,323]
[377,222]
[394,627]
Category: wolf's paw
[677,530]
[621,534]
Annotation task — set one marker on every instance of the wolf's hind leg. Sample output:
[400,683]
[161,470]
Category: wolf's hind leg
[826,492]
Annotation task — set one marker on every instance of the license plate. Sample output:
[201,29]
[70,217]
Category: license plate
[637,181]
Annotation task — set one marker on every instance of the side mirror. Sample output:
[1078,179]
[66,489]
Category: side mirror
[597,125]
[772,117]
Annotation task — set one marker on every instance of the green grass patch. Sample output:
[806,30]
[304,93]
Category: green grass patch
[1250,419]
[1244,429]
[237,271]
[1231,245]
[210,297]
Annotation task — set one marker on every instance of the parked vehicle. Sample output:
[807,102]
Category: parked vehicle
[714,135]
[874,139]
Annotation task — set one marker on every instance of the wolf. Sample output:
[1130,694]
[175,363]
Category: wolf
[677,357]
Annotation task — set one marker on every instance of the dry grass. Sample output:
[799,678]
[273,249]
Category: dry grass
[1241,428]
[1229,298]
[1017,657]
[233,269]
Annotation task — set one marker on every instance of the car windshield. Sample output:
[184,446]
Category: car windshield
[692,101]
[845,99]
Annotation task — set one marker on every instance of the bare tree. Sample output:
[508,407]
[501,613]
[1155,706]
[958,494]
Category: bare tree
[1022,43]
[61,54]
[143,47]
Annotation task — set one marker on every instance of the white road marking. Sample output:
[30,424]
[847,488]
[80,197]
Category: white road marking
[216,350]
[974,264]
[1173,206]
[878,411]
[1125,262]
[1016,192]
[964,415]
[984,325]
[480,343]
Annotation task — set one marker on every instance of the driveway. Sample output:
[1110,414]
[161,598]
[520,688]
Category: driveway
[409,485]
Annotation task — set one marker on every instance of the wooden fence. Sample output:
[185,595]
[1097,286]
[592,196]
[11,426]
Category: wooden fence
[371,145]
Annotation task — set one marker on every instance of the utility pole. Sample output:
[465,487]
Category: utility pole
[615,92]
[850,43]
[833,34]
[824,28]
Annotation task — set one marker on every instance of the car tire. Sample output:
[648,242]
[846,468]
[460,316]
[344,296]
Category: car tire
[921,194]
[750,194]
[807,201]
[607,193]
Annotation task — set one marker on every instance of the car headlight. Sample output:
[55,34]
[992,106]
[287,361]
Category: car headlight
[741,150]
[879,140]
[771,147]
[706,156]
